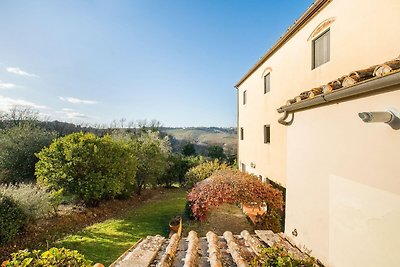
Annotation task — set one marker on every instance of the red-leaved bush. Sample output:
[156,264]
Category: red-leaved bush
[232,186]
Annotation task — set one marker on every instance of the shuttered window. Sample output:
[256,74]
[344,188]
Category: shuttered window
[321,49]
[267,83]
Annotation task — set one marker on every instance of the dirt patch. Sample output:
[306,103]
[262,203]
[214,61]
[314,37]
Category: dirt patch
[71,219]
[225,218]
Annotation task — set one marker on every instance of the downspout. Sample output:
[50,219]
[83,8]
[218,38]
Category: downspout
[368,86]
[285,116]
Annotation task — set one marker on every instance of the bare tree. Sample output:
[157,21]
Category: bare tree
[19,114]
[122,122]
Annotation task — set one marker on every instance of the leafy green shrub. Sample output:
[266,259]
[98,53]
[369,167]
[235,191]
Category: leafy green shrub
[203,171]
[227,186]
[18,146]
[35,201]
[188,150]
[12,219]
[52,257]
[188,211]
[232,161]
[90,167]
[152,153]
[276,256]
[271,220]
[177,167]
[216,152]
[56,198]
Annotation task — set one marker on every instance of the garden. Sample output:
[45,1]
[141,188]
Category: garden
[86,197]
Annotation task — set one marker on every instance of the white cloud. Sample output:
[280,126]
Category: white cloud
[4,85]
[71,114]
[20,72]
[74,100]
[6,103]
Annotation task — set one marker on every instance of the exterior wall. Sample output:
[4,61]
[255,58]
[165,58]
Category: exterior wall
[343,187]
[358,40]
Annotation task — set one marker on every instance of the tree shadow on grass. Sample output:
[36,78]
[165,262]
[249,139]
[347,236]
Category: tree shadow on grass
[104,242]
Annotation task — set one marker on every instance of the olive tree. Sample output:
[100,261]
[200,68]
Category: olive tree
[152,153]
[18,146]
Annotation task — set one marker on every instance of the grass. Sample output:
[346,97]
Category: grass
[104,242]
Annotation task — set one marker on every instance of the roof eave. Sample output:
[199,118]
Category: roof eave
[374,85]
[306,17]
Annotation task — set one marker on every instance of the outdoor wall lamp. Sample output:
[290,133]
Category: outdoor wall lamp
[390,117]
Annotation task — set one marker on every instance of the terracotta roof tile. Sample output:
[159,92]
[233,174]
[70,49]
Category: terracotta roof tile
[347,81]
[213,250]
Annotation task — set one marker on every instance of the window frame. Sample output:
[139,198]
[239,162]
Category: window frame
[265,82]
[267,134]
[313,57]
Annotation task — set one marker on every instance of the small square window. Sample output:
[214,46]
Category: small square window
[244,97]
[321,49]
[267,83]
[267,134]
[241,133]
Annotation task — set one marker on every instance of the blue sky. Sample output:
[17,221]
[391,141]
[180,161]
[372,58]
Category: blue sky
[174,61]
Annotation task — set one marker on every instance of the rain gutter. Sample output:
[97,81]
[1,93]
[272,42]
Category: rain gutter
[369,86]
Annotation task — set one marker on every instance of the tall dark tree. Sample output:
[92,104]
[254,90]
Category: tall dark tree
[216,152]
[188,150]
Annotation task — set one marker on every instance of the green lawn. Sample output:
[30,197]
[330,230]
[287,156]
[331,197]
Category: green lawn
[105,242]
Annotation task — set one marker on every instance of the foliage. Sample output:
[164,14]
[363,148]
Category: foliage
[35,201]
[52,257]
[216,152]
[277,256]
[91,167]
[188,211]
[12,219]
[188,150]
[231,160]
[270,220]
[56,198]
[232,186]
[105,241]
[18,146]
[177,167]
[203,171]
[152,154]
[17,116]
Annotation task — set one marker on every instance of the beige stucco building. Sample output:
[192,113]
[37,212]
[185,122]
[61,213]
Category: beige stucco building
[340,173]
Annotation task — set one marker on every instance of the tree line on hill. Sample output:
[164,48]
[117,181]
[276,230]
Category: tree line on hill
[22,134]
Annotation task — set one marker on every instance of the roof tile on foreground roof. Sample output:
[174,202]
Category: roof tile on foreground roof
[347,81]
[212,250]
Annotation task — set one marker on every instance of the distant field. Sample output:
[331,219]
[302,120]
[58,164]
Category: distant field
[226,137]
